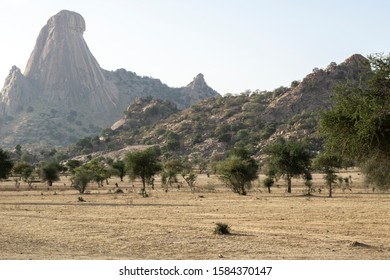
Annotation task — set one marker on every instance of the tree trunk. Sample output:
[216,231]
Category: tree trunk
[50,183]
[330,190]
[143,191]
[288,184]
[269,189]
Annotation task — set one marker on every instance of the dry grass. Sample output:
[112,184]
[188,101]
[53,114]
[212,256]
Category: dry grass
[53,224]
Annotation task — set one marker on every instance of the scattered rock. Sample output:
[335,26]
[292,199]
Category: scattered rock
[118,190]
[359,244]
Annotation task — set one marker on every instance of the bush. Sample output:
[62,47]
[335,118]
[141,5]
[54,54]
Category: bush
[237,171]
[222,229]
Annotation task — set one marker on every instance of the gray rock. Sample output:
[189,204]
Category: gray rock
[64,94]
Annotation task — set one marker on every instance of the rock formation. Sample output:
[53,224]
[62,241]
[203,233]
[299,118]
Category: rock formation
[131,86]
[65,95]
[17,93]
[215,126]
[316,87]
[63,68]
[198,89]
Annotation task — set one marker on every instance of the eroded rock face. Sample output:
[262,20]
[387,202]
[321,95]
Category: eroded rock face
[316,87]
[63,68]
[16,94]
[64,95]
[198,89]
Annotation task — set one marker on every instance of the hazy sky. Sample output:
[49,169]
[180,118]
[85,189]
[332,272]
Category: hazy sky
[237,45]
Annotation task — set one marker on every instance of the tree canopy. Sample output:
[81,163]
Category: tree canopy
[5,164]
[328,163]
[143,164]
[288,159]
[238,171]
[23,169]
[81,177]
[357,126]
[50,173]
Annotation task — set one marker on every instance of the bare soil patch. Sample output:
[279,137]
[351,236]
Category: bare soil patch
[42,223]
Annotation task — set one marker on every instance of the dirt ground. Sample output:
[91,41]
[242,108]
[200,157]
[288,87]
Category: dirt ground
[42,223]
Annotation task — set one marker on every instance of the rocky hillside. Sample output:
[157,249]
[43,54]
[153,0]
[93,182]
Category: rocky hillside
[64,94]
[251,119]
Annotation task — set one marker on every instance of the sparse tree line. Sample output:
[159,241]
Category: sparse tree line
[286,159]
[356,129]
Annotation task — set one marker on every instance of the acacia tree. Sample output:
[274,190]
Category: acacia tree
[143,164]
[120,168]
[50,173]
[169,175]
[23,170]
[327,164]
[288,159]
[357,126]
[5,164]
[81,177]
[268,182]
[238,171]
[100,170]
[72,164]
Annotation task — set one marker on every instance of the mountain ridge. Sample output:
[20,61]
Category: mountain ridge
[252,120]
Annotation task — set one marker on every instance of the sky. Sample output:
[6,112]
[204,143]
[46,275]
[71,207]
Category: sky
[237,45]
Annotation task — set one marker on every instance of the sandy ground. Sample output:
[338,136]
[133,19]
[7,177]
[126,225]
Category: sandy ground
[51,223]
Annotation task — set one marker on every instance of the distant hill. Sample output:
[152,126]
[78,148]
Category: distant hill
[214,126]
[64,94]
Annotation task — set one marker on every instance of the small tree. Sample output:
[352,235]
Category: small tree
[81,177]
[288,159]
[190,179]
[169,175]
[238,171]
[327,163]
[143,164]
[120,168]
[50,173]
[268,182]
[100,170]
[5,164]
[23,170]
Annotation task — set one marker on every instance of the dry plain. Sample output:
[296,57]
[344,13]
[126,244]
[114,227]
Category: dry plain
[42,223]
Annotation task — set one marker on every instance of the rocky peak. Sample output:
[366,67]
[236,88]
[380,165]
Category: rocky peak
[16,93]
[198,89]
[63,68]
[67,20]
[356,60]
[198,82]
[13,75]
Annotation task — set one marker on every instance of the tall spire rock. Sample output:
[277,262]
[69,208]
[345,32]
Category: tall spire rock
[63,68]
[64,95]
[16,92]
